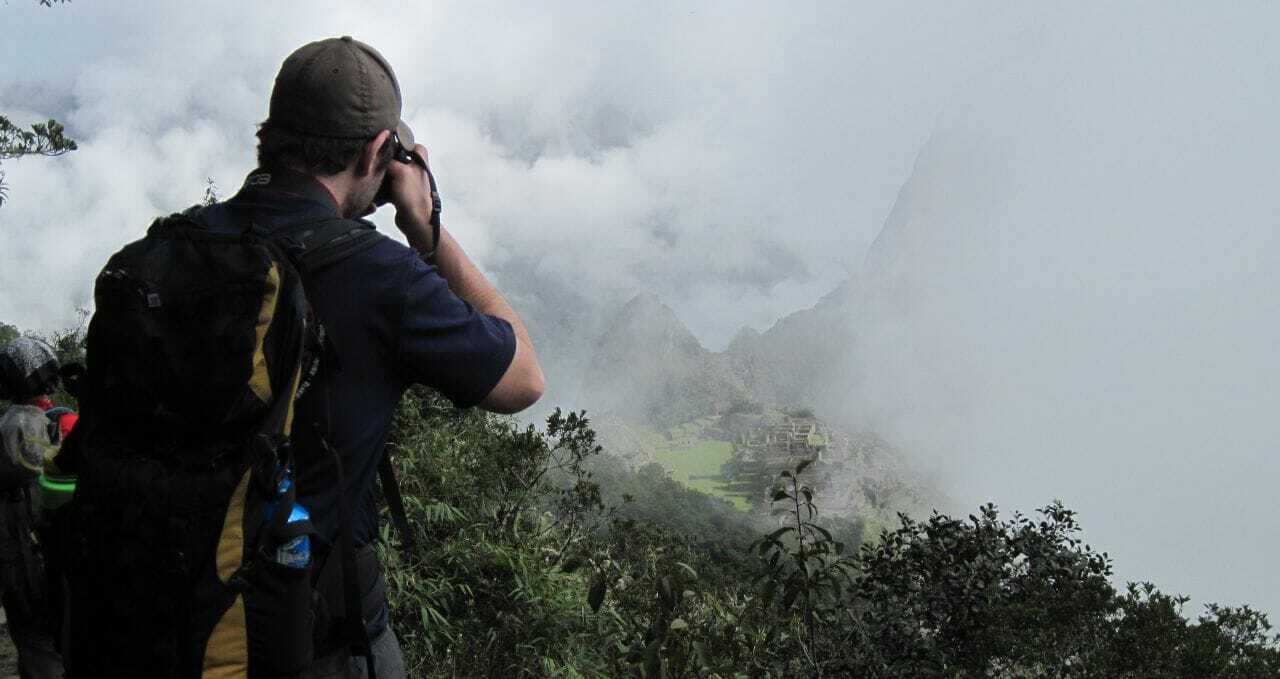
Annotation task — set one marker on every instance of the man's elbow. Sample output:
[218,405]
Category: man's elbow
[527,392]
[516,392]
[537,386]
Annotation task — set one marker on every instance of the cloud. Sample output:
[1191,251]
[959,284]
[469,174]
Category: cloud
[697,152]
[1073,297]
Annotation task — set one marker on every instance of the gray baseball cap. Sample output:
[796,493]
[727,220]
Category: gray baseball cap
[338,87]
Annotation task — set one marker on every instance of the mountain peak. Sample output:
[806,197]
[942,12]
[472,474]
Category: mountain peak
[648,367]
[646,304]
[647,321]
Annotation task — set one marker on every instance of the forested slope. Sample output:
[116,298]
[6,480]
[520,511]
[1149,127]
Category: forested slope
[539,557]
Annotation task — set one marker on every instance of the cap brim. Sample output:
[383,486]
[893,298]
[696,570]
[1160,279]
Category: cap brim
[405,134]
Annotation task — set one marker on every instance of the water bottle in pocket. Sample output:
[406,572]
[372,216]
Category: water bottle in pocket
[279,605]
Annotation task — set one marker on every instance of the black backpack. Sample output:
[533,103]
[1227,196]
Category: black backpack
[200,345]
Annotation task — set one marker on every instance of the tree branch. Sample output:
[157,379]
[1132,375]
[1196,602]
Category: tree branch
[44,139]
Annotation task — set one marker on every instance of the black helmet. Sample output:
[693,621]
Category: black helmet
[28,368]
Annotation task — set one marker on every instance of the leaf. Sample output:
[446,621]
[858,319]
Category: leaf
[652,662]
[780,495]
[570,565]
[764,545]
[805,465]
[595,597]
[789,596]
[700,652]
[679,624]
[770,588]
[665,591]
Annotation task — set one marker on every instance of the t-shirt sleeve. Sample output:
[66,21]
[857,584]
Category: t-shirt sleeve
[444,343]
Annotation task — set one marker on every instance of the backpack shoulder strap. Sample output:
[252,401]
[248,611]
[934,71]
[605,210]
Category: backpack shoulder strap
[188,217]
[395,502]
[311,244]
[314,245]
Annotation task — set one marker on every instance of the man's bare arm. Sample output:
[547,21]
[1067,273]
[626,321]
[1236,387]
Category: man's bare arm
[522,384]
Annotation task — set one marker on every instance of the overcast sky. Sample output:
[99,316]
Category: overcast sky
[1088,228]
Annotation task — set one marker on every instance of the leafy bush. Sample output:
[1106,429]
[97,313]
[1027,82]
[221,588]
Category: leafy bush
[538,557]
[482,597]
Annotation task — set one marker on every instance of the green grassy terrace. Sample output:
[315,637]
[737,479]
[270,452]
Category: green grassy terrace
[694,459]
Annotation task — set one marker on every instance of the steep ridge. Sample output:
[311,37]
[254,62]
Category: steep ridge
[796,361]
[648,368]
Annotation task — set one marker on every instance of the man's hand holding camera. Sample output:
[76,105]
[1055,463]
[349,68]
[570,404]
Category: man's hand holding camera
[409,190]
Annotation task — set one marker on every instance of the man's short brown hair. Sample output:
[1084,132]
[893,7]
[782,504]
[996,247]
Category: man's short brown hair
[320,156]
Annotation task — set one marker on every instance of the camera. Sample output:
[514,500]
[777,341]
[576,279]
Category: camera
[410,157]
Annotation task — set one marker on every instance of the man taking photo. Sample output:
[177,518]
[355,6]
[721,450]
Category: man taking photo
[332,145]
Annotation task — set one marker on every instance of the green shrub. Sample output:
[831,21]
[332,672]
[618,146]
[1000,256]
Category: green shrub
[538,557]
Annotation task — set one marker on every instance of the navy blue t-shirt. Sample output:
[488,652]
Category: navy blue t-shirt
[392,321]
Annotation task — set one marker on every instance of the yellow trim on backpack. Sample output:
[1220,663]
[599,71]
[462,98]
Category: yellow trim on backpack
[226,656]
[260,378]
[231,541]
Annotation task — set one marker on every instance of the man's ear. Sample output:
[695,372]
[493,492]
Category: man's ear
[368,160]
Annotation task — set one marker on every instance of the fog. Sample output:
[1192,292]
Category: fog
[1078,297]
[1064,218]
